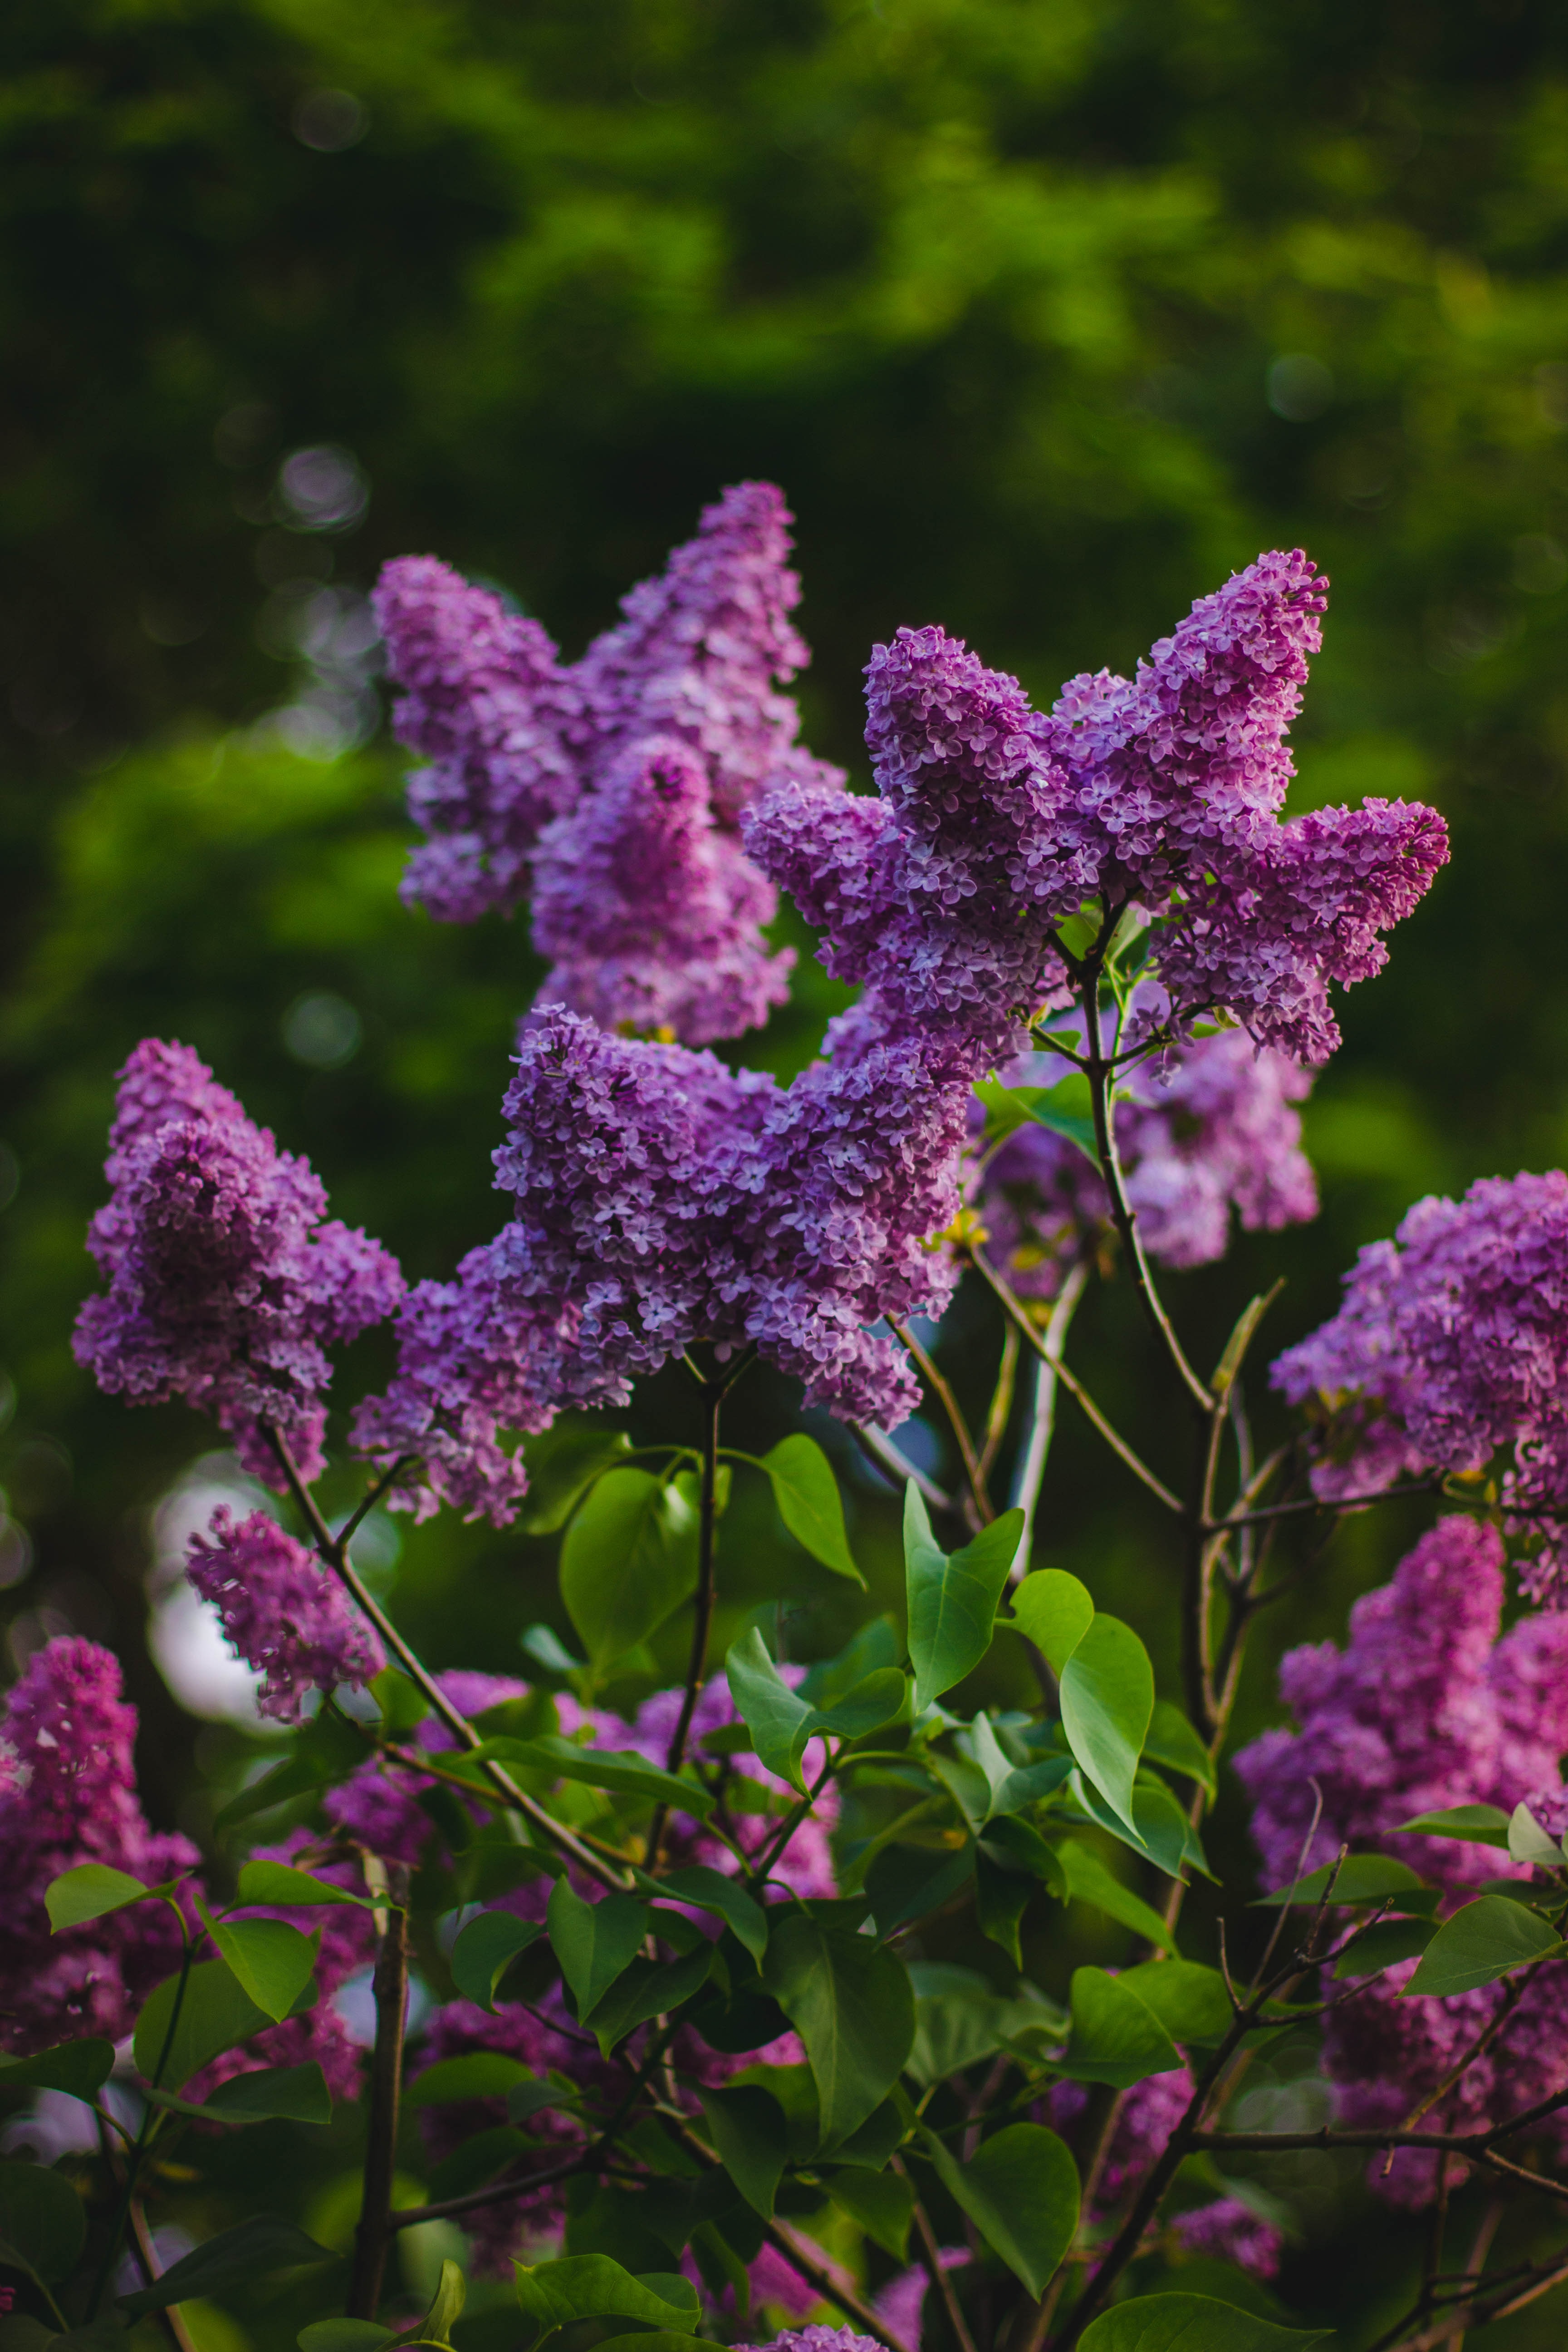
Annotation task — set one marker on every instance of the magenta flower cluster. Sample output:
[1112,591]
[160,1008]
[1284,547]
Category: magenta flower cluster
[994,823]
[281,1611]
[1209,1127]
[610,789]
[68,1796]
[661,1199]
[227,1283]
[1451,1345]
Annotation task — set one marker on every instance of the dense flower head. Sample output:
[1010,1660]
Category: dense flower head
[68,1796]
[281,1611]
[995,822]
[1424,1709]
[652,913]
[612,787]
[661,1199]
[227,1283]
[1230,2232]
[378,1805]
[813,2339]
[1146,2119]
[1210,1127]
[1452,1343]
[486,702]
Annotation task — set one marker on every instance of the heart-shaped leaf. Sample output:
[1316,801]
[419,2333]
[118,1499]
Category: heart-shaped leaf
[952,1601]
[810,1505]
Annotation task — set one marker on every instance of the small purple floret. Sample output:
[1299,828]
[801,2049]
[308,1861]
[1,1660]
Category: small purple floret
[281,1611]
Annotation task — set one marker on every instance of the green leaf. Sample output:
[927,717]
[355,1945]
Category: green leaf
[1477,1824]
[594,1943]
[88,1892]
[1020,2189]
[272,1960]
[592,2286]
[1191,2323]
[628,1561]
[81,2068]
[1171,1740]
[1385,1945]
[779,1721]
[1161,1831]
[485,1949]
[1107,1699]
[1000,1898]
[1360,1878]
[1116,2038]
[810,1505]
[404,1706]
[1527,1841]
[475,2158]
[1191,2002]
[747,2129]
[1089,1880]
[881,2203]
[1021,1845]
[1012,1786]
[1055,1611]
[343,2336]
[877,1646]
[215,2013]
[1064,1108]
[296,2094]
[574,1459]
[905,1882]
[327,1749]
[1481,1943]
[252,2249]
[445,2306]
[621,1770]
[709,1890]
[647,1989]
[478,2074]
[952,1601]
[852,2004]
[41,2218]
[284,1888]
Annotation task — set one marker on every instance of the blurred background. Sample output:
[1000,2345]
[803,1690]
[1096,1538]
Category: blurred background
[1046,314]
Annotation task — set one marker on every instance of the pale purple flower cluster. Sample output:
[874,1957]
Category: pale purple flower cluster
[994,823]
[1209,1127]
[1230,2232]
[1451,1344]
[661,1199]
[613,787]
[1144,2121]
[805,1866]
[813,2339]
[68,1796]
[653,912]
[1424,1709]
[227,1285]
[281,1611]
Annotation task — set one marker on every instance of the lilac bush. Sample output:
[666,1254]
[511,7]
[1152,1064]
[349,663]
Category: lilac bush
[728,2019]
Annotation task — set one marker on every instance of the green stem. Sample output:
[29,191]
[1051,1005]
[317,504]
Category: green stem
[372,2235]
[713,1394]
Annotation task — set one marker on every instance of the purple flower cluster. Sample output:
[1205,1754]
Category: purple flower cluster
[613,787]
[813,2339]
[994,823]
[1209,1127]
[1230,2232]
[1452,1343]
[1424,1709]
[281,1611]
[653,912]
[661,1199]
[68,1796]
[226,1286]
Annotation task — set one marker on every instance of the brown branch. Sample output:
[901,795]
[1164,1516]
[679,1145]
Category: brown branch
[930,2255]
[372,2236]
[702,1622]
[975,1477]
[1000,1409]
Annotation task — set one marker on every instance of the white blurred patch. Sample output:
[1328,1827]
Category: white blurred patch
[185,1634]
[354,2001]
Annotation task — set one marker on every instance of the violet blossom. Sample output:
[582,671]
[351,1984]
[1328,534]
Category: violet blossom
[661,1199]
[1451,1344]
[282,1613]
[612,786]
[815,2339]
[996,822]
[1230,2232]
[1146,2119]
[68,1796]
[1209,1127]
[227,1283]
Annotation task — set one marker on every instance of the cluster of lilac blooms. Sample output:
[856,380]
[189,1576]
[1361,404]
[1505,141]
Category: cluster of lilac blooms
[1146,2119]
[227,1283]
[1424,1709]
[68,1796]
[1209,1127]
[1451,1344]
[609,790]
[281,1611]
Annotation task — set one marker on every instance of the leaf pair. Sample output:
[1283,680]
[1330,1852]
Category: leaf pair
[592,2286]
[1106,1681]
[952,1599]
[782,1722]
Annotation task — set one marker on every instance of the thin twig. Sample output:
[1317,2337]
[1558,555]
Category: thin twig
[1000,1409]
[372,2235]
[896,1466]
[931,2254]
[1031,1465]
[938,1382]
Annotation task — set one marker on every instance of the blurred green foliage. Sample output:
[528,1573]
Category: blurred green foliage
[1045,312]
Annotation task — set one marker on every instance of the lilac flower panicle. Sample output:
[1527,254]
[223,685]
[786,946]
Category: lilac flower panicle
[1230,2232]
[661,1199]
[281,1611]
[486,702]
[68,1796]
[1452,1343]
[654,915]
[813,2339]
[1162,792]
[227,1285]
